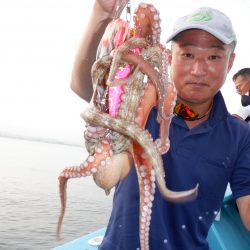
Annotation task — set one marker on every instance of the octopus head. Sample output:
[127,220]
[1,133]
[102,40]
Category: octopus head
[116,169]
[147,22]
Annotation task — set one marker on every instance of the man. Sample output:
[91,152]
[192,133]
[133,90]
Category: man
[211,148]
[242,85]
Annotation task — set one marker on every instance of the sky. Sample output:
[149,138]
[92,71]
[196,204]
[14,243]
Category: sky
[38,43]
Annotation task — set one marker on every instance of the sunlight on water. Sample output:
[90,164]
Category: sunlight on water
[29,199]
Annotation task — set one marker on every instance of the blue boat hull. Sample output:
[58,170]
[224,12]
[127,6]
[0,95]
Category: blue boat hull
[227,233]
[83,242]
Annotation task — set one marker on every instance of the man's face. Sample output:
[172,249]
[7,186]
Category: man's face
[242,85]
[199,66]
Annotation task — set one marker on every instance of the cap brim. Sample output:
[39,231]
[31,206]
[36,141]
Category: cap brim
[224,39]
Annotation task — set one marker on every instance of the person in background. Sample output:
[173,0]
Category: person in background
[209,146]
[241,80]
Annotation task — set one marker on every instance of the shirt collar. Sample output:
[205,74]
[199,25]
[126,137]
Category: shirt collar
[219,112]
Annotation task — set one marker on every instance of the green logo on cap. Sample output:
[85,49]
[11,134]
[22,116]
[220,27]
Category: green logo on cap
[201,16]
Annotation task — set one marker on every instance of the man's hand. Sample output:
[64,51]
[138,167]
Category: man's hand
[113,8]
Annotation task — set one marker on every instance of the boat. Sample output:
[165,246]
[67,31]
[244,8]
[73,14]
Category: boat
[87,242]
[226,233]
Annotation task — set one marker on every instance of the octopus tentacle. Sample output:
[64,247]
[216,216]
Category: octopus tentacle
[166,92]
[142,137]
[100,159]
[127,46]
[146,179]
[157,56]
[166,95]
[147,16]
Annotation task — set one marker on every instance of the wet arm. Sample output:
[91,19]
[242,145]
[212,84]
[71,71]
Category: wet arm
[243,204]
[81,82]
[102,13]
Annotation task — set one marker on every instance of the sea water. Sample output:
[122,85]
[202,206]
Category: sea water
[29,197]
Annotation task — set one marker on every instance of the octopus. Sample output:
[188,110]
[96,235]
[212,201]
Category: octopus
[130,77]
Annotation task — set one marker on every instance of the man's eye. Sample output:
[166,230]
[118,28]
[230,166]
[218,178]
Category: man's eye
[214,57]
[188,55]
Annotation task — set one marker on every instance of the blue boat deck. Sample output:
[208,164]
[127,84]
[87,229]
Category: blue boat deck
[229,233]
[226,233]
[83,242]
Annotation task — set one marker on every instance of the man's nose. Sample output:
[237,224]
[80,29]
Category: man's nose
[199,67]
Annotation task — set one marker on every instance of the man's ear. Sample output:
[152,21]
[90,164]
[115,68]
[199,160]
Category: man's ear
[231,62]
[169,55]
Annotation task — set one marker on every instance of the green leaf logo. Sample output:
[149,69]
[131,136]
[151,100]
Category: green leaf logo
[201,16]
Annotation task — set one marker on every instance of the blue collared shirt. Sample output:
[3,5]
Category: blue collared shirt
[212,154]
